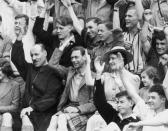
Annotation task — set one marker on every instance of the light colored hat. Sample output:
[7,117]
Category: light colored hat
[127,56]
[40,3]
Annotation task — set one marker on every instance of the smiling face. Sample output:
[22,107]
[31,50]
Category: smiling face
[92,29]
[161,46]
[77,59]
[20,25]
[155,101]
[147,82]
[131,19]
[38,55]
[104,33]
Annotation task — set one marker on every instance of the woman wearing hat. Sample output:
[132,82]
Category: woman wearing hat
[9,95]
[112,83]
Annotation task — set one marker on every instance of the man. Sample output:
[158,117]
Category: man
[117,58]
[132,35]
[43,84]
[158,47]
[89,34]
[152,117]
[76,105]
[61,35]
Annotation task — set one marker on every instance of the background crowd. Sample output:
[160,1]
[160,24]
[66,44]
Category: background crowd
[83,65]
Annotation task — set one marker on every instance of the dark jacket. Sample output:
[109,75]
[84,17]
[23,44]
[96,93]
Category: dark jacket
[108,113]
[51,42]
[43,86]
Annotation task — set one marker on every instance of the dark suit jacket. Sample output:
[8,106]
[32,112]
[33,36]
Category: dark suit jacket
[43,87]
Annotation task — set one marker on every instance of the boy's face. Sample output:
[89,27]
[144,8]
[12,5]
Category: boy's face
[161,46]
[124,105]
[155,100]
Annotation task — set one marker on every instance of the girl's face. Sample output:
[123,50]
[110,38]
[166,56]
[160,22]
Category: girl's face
[147,82]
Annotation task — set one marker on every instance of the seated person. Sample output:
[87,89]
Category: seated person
[76,104]
[153,115]
[117,57]
[9,95]
[156,115]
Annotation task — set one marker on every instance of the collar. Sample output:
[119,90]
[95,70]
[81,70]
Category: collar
[70,40]
[76,71]
[131,115]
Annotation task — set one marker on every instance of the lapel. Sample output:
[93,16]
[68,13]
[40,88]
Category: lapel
[83,82]
[4,91]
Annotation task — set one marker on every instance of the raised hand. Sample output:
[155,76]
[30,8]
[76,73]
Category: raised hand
[120,63]
[98,65]
[66,3]
[119,3]
[71,109]
[88,60]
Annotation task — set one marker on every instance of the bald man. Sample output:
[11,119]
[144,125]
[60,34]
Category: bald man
[43,86]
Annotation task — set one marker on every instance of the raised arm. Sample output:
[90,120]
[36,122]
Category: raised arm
[116,19]
[18,58]
[130,87]
[139,8]
[76,23]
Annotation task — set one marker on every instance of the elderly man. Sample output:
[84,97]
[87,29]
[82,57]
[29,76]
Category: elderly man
[43,85]
[76,104]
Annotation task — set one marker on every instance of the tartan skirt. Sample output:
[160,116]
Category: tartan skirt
[76,121]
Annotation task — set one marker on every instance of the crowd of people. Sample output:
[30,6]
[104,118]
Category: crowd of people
[83,65]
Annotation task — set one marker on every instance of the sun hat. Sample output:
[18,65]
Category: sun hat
[128,57]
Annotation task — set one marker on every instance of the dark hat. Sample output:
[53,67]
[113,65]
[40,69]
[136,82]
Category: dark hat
[127,56]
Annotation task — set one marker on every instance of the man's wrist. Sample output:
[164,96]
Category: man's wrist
[116,9]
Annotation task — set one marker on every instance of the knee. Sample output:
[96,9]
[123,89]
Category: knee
[7,119]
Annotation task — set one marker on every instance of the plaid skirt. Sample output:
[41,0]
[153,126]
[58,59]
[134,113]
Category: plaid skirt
[76,121]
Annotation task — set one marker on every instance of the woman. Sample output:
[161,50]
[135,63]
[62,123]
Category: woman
[9,94]
[149,77]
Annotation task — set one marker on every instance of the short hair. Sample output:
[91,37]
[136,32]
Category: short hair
[158,88]
[152,73]
[159,34]
[108,24]
[43,48]
[23,16]
[80,48]
[64,21]
[94,19]
[6,67]
[0,18]
[122,94]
